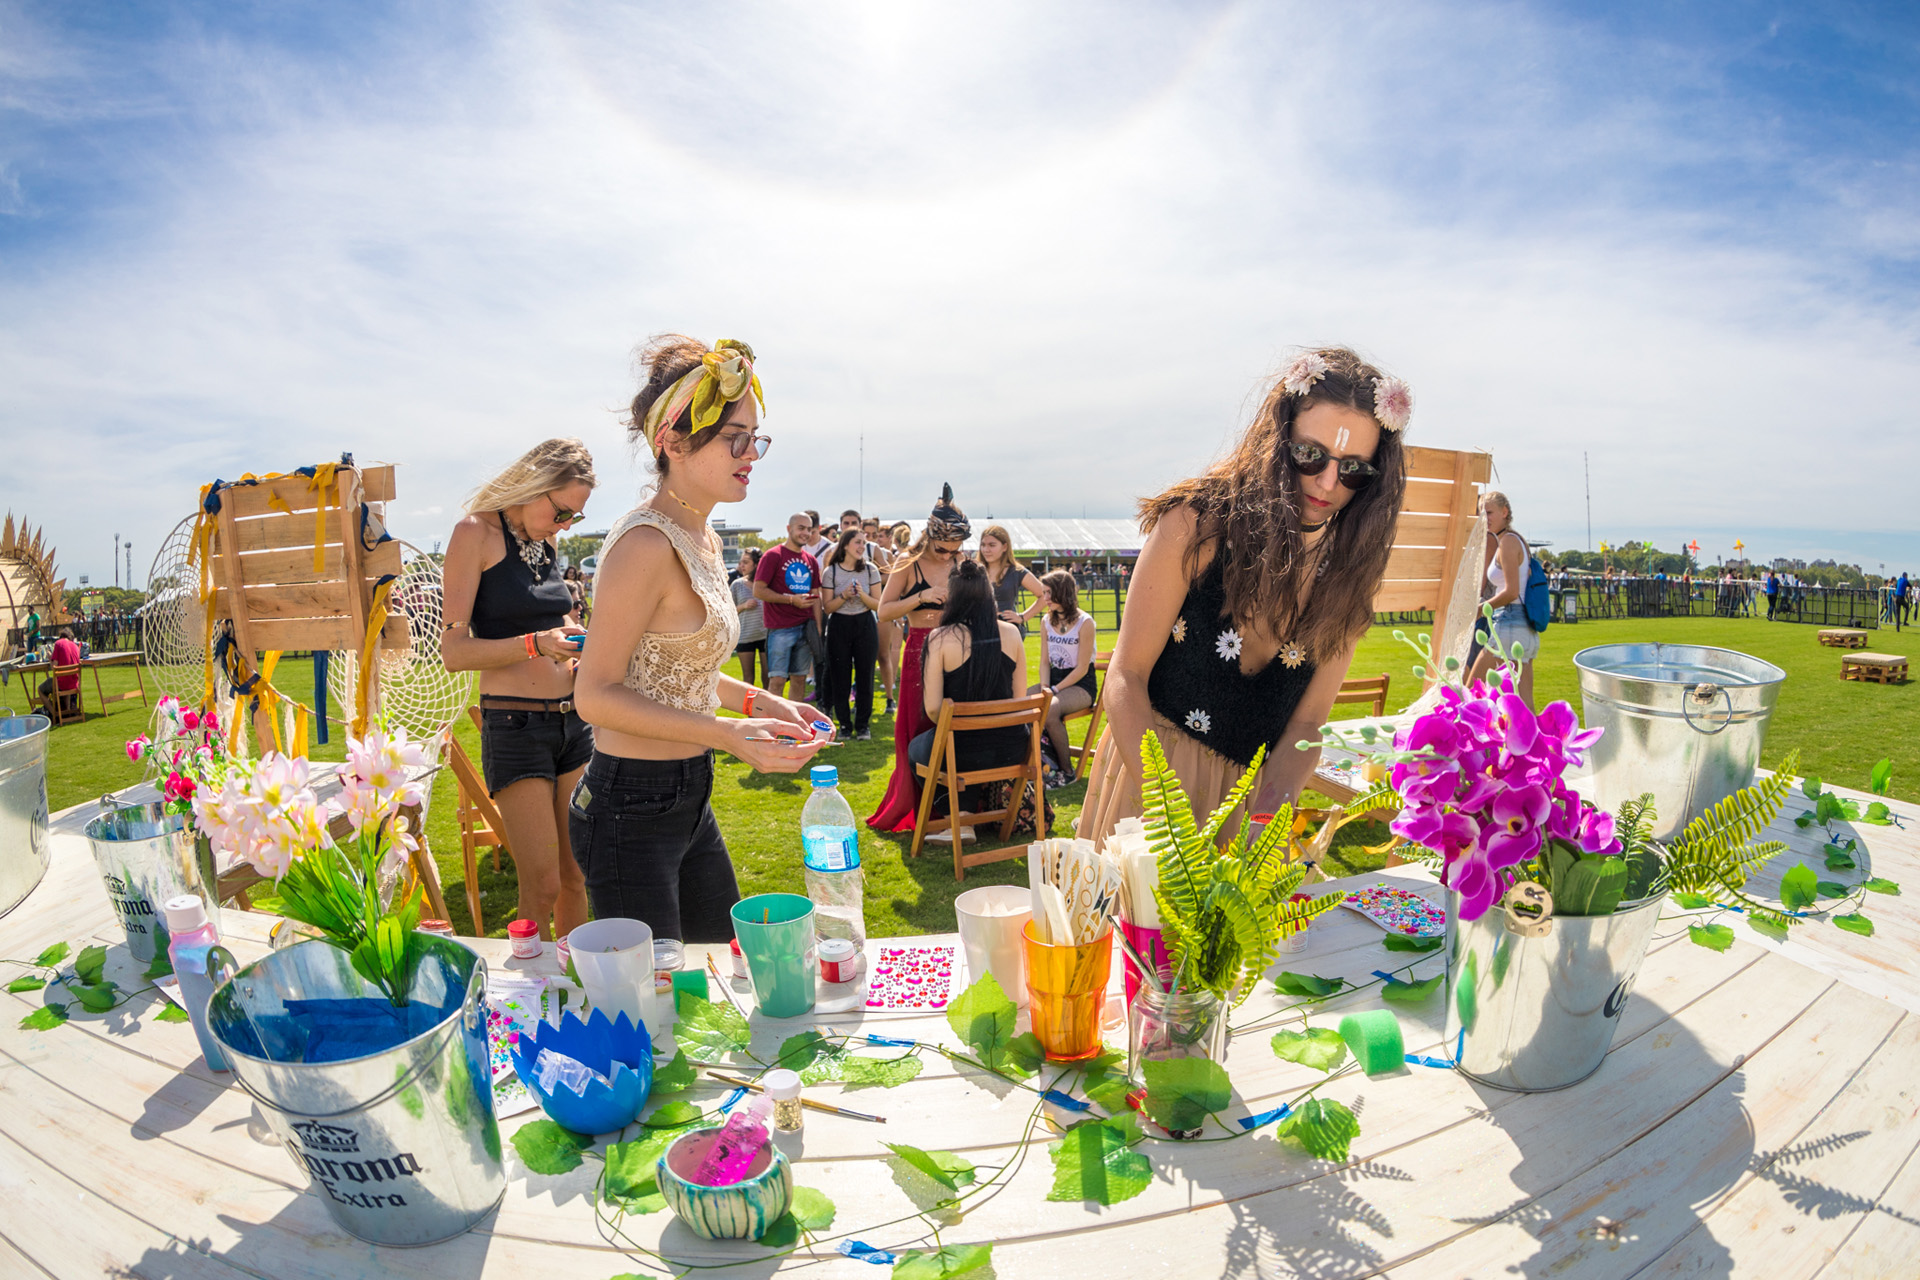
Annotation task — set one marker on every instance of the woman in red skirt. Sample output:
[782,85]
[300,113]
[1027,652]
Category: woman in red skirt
[916,590]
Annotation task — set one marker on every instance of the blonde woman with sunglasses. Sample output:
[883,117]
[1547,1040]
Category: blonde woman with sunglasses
[511,617]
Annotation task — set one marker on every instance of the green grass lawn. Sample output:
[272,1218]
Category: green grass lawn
[1840,729]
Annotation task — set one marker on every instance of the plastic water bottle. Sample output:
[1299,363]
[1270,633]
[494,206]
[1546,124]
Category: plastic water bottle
[190,937]
[831,844]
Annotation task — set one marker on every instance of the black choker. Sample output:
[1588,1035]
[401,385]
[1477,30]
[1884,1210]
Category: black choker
[1315,528]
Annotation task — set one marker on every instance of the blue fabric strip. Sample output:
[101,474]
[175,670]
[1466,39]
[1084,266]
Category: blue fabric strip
[1388,978]
[1060,1099]
[890,1042]
[732,1099]
[1280,1112]
[865,1253]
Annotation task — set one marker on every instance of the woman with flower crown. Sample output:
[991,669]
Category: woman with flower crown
[1253,587]
[650,683]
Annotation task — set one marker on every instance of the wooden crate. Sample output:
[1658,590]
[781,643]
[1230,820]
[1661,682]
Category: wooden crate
[1874,668]
[264,564]
[1843,638]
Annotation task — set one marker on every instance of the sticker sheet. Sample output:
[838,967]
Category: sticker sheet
[909,978]
[1398,911]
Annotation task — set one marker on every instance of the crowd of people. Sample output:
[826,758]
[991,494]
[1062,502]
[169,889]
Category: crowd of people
[1254,584]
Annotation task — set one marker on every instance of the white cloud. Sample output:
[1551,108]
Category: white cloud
[1045,254]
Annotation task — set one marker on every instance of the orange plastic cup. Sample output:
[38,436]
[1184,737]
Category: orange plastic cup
[1067,994]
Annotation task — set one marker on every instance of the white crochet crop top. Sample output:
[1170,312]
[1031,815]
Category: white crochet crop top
[682,669]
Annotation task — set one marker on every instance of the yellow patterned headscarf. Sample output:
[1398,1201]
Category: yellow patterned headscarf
[722,377]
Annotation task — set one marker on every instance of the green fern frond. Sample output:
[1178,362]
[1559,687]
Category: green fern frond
[1745,814]
[1231,803]
[1381,797]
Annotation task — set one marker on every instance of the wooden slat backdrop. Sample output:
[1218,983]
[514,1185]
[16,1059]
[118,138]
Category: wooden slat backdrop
[290,606]
[1756,1117]
[1441,501]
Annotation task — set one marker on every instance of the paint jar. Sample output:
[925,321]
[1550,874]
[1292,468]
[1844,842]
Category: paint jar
[438,928]
[525,936]
[783,1087]
[739,960]
[839,962]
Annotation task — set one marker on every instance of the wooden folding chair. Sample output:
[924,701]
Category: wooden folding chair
[65,705]
[941,770]
[1365,689]
[480,824]
[1083,754]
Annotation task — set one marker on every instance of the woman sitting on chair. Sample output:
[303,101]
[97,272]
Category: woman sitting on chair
[973,656]
[1254,585]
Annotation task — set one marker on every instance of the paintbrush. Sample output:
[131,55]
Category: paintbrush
[809,1103]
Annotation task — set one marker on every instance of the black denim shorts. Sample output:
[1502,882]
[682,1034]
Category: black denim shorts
[525,742]
[644,835]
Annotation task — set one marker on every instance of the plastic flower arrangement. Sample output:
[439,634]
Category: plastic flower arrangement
[266,814]
[190,752]
[1483,784]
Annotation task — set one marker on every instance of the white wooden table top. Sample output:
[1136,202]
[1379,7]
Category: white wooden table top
[1757,1117]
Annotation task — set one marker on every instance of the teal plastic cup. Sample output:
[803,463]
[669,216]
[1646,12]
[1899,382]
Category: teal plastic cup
[776,936]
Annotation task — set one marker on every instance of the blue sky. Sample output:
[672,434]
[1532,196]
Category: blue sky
[1044,252]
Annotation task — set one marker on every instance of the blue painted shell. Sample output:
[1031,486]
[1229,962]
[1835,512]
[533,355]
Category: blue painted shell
[618,1050]
[742,1211]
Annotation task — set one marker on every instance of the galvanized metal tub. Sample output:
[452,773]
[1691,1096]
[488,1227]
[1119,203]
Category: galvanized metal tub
[1683,721]
[401,1143]
[23,807]
[1535,1014]
[147,855]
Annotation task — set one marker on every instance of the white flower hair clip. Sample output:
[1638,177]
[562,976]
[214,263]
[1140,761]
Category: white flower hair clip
[1392,403]
[1300,376]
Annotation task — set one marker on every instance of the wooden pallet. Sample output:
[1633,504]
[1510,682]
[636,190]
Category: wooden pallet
[1843,638]
[1874,668]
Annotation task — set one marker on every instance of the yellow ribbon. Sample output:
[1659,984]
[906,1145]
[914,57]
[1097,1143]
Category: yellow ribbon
[323,476]
[723,376]
[369,654]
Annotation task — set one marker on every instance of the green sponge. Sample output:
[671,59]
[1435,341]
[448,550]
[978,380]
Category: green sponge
[1374,1036]
[691,981]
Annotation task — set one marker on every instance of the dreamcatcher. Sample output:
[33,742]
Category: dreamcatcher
[417,693]
[173,621]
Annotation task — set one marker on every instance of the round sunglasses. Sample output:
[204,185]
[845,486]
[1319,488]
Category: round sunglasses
[746,442]
[1310,459]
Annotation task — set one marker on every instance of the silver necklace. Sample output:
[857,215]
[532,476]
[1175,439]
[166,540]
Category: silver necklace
[536,555]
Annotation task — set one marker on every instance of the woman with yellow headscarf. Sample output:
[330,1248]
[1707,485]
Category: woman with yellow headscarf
[650,677]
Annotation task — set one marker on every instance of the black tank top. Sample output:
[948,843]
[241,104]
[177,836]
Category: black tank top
[986,676]
[1197,683]
[513,600]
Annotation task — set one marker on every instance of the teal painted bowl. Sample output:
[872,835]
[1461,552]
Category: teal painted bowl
[739,1211]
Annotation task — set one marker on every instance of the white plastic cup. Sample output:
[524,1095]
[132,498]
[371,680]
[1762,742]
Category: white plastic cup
[614,958]
[991,920]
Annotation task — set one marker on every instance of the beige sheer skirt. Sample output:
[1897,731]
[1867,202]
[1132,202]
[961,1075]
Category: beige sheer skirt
[1205,775]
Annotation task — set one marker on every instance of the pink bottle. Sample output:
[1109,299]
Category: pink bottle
[190,937]
[741,1139]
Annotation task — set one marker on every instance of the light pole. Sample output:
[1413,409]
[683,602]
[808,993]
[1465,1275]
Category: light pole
[129,547]
[116,559]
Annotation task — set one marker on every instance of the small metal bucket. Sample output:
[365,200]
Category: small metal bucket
[23,807]
[147,855]
[401,1142]
[1683,721]
[1535,1014]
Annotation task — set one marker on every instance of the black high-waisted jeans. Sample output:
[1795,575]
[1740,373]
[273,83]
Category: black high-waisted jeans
[644,835]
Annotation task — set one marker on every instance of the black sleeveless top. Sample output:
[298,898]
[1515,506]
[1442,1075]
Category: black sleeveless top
[1197,682]
[986,676]
[513,600]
